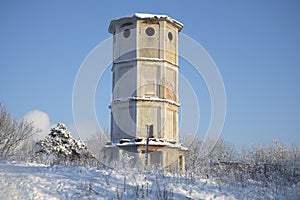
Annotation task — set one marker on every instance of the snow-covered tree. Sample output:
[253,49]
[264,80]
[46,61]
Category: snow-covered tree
[59,147]
[202,157]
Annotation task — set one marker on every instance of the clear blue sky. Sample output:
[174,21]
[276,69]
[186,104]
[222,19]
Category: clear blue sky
[255,44]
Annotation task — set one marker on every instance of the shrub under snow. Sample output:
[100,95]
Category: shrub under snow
[59,147]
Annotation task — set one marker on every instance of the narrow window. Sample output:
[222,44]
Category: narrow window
[126,33]
[170,36]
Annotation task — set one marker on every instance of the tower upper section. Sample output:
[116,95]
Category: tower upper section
[145,76]
[145,36]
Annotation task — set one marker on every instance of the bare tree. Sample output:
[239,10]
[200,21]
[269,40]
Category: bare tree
[96,144]
[202,160]
[193,157]
[13,132]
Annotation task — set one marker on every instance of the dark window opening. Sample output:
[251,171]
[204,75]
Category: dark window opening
[170,36]
[126,33]
[150,31]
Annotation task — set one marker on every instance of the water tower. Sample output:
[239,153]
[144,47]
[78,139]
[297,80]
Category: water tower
[144,107]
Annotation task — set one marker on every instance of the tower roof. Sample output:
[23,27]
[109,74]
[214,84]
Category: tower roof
[145,16]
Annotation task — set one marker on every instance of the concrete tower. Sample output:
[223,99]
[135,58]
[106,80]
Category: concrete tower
[145,90]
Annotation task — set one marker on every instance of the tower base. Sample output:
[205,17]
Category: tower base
[133,153]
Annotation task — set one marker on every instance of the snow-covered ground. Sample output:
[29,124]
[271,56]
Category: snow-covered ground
[33,181]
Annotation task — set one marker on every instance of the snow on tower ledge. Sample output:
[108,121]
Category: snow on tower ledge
[145,16]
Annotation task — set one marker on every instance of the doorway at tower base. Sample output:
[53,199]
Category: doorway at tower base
[131,153]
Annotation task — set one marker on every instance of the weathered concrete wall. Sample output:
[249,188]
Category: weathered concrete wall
[163,116]
[167,157]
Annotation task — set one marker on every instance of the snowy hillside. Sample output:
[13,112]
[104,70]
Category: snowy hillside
[32,181]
